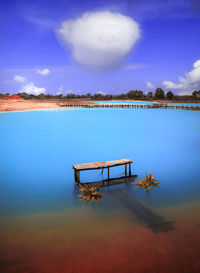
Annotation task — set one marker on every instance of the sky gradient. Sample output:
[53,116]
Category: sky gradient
[35,59]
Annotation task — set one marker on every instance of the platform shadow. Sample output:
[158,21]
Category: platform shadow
[145,215]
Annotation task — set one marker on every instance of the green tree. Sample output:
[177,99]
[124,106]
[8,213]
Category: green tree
[122,96]
[169,95]
[41,96]
[159,93]
[196,94]
[59,96]
[108,97]
[88,95]
[24,95]
[135,94]
[98,96]
[71,96]
[149,95]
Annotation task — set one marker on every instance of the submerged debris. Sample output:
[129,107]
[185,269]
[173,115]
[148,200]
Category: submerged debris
[147,182]
[89,193]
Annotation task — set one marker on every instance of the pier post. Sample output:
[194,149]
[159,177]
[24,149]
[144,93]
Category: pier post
[75,175]
[108,173]
[129,169]
[78,176]
[125,169]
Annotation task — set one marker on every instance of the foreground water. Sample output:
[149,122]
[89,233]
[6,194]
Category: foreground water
[43,228]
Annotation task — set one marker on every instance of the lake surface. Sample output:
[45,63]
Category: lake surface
[43,226]
[147,102]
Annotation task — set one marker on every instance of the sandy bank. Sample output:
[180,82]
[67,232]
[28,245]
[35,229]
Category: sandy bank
[23,105]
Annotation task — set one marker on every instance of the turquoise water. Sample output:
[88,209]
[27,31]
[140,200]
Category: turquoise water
[147,102]
[43,226]
[38,149]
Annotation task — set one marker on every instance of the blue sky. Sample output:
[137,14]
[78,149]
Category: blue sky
[35,58]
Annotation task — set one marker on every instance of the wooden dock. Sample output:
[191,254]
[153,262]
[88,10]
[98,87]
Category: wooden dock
[101,165]
[131,105]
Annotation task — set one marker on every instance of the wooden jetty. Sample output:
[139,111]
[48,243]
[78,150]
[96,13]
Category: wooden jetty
[131,105]
[101,165]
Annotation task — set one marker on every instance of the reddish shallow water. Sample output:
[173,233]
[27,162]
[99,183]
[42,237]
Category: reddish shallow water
[85,240]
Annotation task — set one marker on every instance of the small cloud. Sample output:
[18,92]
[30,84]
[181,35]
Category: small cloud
[100,40]
[150,85]
[18,78]
[186,84]
[101,93]
[59,93]
[41,22]
[61,88]
[30,88]
[69,91]
[185,93]
[43,72]
[6,82]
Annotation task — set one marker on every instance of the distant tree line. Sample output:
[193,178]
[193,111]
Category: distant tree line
[159,94]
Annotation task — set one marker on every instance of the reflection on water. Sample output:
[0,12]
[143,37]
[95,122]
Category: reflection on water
[90,191]
[112,181]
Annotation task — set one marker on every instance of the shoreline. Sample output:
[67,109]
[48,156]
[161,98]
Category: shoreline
[31,105]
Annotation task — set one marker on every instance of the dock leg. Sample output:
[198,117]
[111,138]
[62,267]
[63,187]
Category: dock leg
[129,169]
[78,176]
[75,175]
[108,173]
[125,169]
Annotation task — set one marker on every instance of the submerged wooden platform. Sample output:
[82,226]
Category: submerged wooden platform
[101,165]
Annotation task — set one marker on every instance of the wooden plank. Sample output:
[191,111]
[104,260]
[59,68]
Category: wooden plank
[99,165]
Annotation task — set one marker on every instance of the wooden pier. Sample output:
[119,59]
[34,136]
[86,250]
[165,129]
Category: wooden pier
[131,105]
[101,165]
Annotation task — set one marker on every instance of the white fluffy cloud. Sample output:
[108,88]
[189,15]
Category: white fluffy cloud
[43,72]
[61,88]
[186,84]
[18,78]
[150,85]
[100,40]
[101,93]
[30,88]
